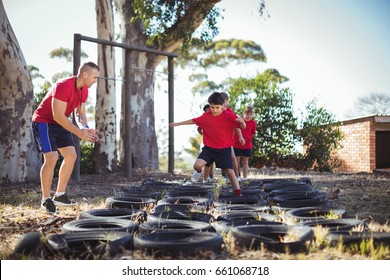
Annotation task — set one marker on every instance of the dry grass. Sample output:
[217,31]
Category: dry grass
[364,196]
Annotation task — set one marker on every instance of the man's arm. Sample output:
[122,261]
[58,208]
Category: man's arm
[82,121]
[58,109]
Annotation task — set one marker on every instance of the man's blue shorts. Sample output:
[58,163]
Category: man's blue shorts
[49,137]
[221,157]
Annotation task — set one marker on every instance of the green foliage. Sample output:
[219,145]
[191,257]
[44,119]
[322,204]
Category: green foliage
[321,135]
[65,53]
[86,159]
[218,55]
[276,124]
[196,142]
[165,20]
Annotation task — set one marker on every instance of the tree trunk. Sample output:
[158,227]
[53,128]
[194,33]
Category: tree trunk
[143,138]
[20,159]
[143,135]
[105,152]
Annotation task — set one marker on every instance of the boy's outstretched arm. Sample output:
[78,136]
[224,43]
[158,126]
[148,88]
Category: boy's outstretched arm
[182,123]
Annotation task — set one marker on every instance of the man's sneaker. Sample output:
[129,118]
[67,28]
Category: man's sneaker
[49,206]
[63,200]
[195,176]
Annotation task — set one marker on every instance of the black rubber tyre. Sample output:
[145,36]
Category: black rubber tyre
[240,208]
[188,193]
[349,238]
[179,215]
[186,200]
[313,213]
[298,200]
[175,225]
[142,193]
[244,192]
[311,193]
[129,202]
[247,216]
[100,224]
[273,238]
[89,245]
[179,207]
[334,224]
[236,200]
[31,246]
[175,243]
[226,226]
[118,213]
[287,186]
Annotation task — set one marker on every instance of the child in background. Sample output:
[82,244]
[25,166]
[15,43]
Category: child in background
[208,171]
[237,133]
[243,152]
[217,126]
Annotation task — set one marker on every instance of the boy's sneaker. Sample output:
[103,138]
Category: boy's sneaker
[195,176]
[48,206]
[63,200]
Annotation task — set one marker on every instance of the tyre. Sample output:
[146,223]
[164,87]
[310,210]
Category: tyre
[238,208]
[279,238]
[100,224]
[118,213]
[175,225]
[187,200]
[129,202]
[247,216]
[223,227]
[175,243]
[30,245]
[179,215]
[350,238]
[314,213]
[179,207]
[334,224]
[298,200]
[296,186]
[236,200]
[89,245]
[244,192]
[187,193]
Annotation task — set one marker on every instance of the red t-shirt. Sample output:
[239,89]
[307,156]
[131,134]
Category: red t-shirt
[217,130]
[247,134]
[64,90]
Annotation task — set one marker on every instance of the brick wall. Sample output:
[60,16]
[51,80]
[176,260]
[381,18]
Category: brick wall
[358,152]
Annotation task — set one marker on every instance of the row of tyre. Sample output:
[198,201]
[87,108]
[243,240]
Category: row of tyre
[170,219]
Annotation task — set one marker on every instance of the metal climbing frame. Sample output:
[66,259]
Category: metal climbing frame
[128,72]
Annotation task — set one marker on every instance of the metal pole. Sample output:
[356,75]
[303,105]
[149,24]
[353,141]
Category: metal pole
[171,141]
[128,118]
[76,65]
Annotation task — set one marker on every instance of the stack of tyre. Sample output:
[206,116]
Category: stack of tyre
[175,219]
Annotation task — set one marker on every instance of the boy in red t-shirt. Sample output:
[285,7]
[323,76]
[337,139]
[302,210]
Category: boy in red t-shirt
[218,128]
[245,151]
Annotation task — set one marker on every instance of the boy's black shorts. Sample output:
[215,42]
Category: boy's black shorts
[221,157]
[242,152]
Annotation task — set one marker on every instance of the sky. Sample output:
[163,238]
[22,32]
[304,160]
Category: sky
[333,50]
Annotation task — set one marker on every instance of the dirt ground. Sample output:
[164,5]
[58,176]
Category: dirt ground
[364,196]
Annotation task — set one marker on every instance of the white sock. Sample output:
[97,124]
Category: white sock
[59,193]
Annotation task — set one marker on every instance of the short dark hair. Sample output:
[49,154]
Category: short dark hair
[216,98]
[206,107]
[89,65]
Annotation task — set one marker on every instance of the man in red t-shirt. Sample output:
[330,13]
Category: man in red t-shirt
[243,152]
[218,128]
[53,130]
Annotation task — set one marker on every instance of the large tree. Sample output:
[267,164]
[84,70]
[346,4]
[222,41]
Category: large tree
[20,160]
[165,26]
[105,157]
[375,103]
